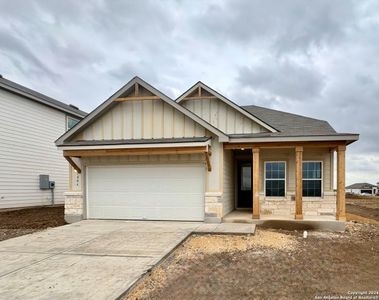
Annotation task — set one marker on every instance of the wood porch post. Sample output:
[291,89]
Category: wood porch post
[299,183]
[255,175]
[341,207]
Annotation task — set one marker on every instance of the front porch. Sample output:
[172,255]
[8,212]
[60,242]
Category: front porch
[297,194]
[286,221]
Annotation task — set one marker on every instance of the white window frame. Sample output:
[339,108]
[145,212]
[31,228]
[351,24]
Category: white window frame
[69,117]
[285,177]
[322,177]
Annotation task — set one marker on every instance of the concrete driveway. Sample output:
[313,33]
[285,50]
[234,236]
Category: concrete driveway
[87,260]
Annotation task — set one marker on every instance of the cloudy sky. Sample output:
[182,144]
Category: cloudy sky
[316,58]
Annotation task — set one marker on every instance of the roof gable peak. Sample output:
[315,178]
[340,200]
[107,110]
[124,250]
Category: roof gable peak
[202,91]
[135,89]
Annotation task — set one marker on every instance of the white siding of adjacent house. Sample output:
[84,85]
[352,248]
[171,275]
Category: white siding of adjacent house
[145,119]
[27,134]
[222,116]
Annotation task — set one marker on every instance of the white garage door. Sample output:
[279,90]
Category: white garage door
[151,192]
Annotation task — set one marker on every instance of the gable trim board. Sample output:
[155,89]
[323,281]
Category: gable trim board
[226,101]
[105,106]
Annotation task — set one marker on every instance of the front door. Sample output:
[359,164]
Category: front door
[244,199]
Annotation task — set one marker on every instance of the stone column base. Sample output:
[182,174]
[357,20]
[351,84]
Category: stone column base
[73,207]
[213,207]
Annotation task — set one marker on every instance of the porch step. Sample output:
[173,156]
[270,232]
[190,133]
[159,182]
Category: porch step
[238,216]
[244,220]
[225,228]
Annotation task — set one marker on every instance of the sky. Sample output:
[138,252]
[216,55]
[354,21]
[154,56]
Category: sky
[315,58]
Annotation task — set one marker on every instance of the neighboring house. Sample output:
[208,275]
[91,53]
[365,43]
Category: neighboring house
[145,156]
[29,124]
[362,188]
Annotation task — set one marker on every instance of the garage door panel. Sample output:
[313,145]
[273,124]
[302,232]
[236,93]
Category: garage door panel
[143,213]
[139,199]
[156,192]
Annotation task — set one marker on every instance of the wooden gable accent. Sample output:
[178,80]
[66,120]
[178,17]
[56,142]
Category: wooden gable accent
[142,119]
[221,115]
[221,112]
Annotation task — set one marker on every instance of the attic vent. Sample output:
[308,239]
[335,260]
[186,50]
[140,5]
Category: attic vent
[73,106]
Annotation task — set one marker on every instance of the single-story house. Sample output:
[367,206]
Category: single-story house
[144,156]
[362,188]
[29,124]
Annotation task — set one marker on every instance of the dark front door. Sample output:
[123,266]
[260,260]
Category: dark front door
[244,185]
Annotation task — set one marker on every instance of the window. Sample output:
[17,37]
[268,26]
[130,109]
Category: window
[71,122]
[246,178]
[312,178]
[275,178]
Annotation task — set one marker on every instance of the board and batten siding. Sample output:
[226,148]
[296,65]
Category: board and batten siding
[27,134]
[222,116]
[145,119]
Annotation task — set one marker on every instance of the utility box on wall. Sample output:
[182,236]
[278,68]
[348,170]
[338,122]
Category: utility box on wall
[44,182]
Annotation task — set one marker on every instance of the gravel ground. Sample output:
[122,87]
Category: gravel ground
[272,264]
[15,223]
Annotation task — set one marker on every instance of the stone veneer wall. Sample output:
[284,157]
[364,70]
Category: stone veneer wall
[311,206]
[213,207]
[73,206]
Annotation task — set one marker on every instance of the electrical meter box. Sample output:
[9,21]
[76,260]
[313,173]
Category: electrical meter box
[51,184]
[44,182]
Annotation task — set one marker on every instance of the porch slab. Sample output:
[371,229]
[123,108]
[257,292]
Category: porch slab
[325,223]
[226,228]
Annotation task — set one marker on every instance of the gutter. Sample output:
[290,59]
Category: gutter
[349,138]
[136,146]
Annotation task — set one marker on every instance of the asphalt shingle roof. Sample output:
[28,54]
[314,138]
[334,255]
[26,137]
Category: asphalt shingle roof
[290,124]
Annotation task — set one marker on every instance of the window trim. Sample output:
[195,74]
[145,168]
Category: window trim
[285,177]
[322,177]
[73,118]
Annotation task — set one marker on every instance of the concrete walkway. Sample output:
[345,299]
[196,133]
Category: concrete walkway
[91,259]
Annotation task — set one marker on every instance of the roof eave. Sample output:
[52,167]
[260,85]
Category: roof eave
[136,146]
[42,101]
[348,138]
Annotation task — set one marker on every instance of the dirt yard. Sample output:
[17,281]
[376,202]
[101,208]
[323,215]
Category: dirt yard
[272,264]
[19,222]
[367,207]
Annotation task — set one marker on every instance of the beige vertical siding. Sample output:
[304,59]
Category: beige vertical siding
[142,120]
[228,196]
[27,134]
[222,116]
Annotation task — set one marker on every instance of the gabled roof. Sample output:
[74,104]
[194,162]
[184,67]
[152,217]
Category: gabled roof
[25,92]
[227,101]
[361,186]
[109,103]
[291,124]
